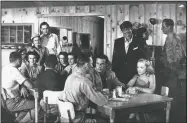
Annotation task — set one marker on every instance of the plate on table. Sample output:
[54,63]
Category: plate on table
[106,91]
[126,96]
[120,99]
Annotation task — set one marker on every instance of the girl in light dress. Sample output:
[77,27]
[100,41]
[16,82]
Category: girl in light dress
[143,81]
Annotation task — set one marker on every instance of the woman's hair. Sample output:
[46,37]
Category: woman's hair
[141,31]
[36,35]
[33,53]
[149,67]
[65,54]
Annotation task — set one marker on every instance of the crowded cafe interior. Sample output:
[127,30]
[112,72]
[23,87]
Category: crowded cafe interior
[93,62]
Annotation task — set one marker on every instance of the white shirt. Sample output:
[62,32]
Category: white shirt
[11,79]
[127,43]
[50,42]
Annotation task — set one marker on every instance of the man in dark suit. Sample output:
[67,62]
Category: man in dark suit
[126,54]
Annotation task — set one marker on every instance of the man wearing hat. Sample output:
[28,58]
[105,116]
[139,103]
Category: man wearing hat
[37,47]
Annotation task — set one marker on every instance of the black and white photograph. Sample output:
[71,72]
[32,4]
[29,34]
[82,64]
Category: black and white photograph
[93,61]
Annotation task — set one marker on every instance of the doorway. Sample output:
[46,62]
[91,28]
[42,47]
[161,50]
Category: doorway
[87,31]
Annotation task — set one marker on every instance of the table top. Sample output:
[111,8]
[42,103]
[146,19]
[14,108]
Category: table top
[137,100]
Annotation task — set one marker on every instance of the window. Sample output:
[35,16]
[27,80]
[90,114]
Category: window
[16,33]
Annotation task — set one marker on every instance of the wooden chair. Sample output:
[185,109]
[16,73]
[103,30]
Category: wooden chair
[66,110]
[50,97]
[165,91]
[16,113]
[34,92]
[7,112]
[3,103]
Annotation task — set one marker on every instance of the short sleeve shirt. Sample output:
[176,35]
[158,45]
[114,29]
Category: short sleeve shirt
[51,43]
[12,78]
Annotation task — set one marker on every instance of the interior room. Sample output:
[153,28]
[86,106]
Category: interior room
[95,28]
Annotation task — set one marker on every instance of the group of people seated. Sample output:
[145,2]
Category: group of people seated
[79,78]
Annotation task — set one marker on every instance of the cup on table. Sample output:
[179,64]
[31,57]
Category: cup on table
[119,91]
[106,90]
[114,94]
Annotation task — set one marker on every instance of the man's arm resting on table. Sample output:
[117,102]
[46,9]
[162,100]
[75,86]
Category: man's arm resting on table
[95,96]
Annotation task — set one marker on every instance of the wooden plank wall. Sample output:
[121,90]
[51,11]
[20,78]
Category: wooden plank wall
[115,14]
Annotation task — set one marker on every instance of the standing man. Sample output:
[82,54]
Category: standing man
[48,39]
[126,54]
[169,61]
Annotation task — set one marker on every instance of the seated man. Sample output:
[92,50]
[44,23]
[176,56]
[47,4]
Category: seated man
[109,79]
[79,90]
[16,86]
[72,63]
[50,79]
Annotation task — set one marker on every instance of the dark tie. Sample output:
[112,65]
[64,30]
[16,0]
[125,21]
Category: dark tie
[70,72]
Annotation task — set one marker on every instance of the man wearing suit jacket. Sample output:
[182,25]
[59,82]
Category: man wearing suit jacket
[126,54]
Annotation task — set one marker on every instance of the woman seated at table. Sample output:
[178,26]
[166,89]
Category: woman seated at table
[143,82]
[32,69]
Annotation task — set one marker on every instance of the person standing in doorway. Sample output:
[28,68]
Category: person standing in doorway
[48,39]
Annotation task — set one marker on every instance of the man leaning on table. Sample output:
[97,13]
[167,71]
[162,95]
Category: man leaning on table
[81,93]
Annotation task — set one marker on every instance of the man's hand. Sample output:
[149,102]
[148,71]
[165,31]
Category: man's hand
[123,85]
[131,90]
[54,109]
[24,92]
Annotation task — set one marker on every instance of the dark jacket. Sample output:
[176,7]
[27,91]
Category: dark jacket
[49,80]
[125,64]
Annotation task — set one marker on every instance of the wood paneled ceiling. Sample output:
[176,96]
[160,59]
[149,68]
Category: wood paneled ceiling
[22,4]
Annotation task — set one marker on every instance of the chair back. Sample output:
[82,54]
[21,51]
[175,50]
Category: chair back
[4,98]
[52,96]
[165,91]
[66,110]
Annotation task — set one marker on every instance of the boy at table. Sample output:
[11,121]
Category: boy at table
[81,93]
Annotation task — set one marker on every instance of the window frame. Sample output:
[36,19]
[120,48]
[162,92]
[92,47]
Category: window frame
[16,24]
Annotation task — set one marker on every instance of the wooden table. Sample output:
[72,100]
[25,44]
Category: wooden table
[137,103]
